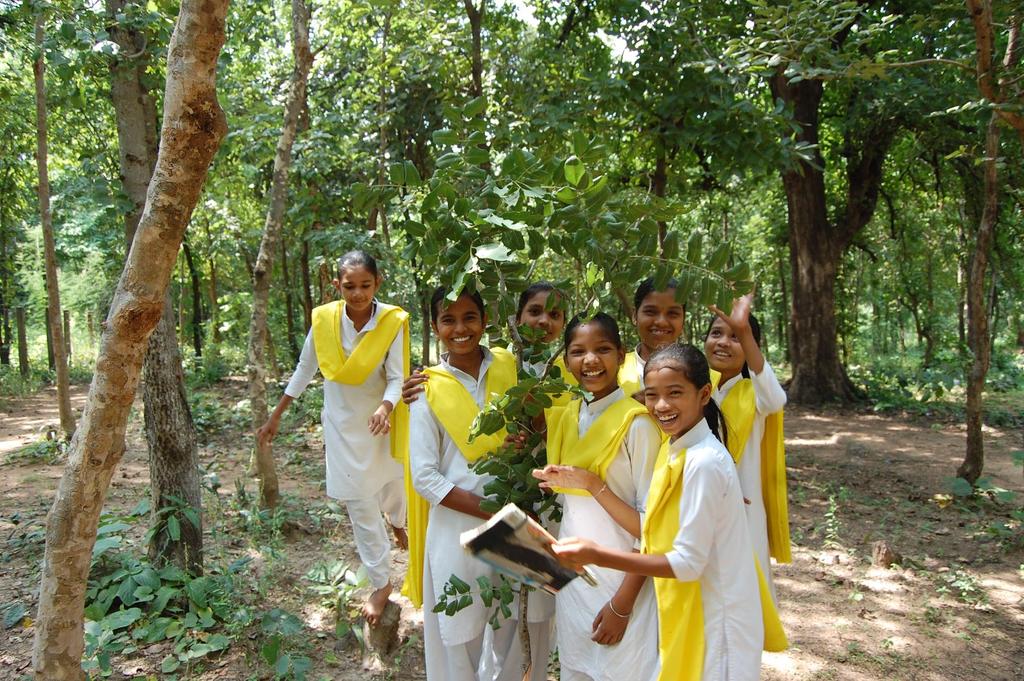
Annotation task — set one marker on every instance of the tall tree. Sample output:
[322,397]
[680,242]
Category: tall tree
[53,308]
[170,432]
[997,87]
[193,126]
[303,61]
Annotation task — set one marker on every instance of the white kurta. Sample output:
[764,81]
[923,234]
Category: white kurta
[713,546]
[629,478]
[769,398]
[438,467]
[359,464]
[640,364]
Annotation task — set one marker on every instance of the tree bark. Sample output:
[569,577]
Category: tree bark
[816,244]
[289,306]
[307,288]
[258,331]
[193,126]
[23,365]
[67,417]
[67,336]
[170,431]
[992,85]
[50,361]
[197,300]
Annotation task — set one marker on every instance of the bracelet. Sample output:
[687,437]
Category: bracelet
[601,491]
[615,612]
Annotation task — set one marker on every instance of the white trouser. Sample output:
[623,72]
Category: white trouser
[373,542]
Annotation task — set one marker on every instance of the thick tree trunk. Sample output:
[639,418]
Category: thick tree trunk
[23,365]
[197,300]
[193,126]
[258,331]
[67,417]
[170,431]
[816,244]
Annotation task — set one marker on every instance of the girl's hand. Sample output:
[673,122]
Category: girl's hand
[265,433]
[413,386]
[608,627]
[379,422]
[568,477]
[739,318]
[574,552]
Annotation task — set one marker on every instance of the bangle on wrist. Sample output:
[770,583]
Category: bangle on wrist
[611,606]
[600,491]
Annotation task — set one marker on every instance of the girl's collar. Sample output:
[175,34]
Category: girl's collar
[691,437]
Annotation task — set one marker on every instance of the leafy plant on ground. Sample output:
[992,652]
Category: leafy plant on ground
[282,630]
[130,603]
[49,450]
[336,585]
[963,586]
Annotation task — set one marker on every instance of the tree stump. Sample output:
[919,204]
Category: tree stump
[382,639]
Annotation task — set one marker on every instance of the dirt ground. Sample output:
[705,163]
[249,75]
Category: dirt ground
[954,609]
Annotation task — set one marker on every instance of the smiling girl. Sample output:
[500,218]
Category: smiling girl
[750,396]
[714,612]
[658,317]
[361,346]
[601,454]
[460,647]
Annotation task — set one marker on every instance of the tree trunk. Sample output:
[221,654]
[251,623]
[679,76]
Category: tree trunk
[264,261]
[50,361]
[6,296]
[170,431]
[67,336]
[23,365]
[289,307]
[67,417]
[307,288]
[476,18]
[978,339]
[197,301]
[816,244]
[783,309]
[193,126]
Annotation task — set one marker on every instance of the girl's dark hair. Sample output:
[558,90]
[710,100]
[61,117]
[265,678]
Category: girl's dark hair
[692,364]
[358,258]
[607,323]
[532,290]
[437,301]
[646,288]
[755,330]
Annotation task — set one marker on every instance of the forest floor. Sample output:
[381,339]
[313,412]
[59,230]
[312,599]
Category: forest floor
[954,609]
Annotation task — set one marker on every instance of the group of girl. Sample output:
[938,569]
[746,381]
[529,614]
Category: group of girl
[655,482]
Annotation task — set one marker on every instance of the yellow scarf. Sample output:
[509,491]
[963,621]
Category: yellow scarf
[739,408]
[680,608]
[368,353]
[629,374]
[564,399]
[456,409]
[596,450]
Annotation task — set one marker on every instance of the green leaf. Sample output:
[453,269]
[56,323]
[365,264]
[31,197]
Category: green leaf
[271,650]
[14,614]
[445,137]
[121,619]
[174,528]
[719,257]
[404,174]
[103,544]
[282,665]
[474,106]
[738,272]
[961,488]
[496,252]
[574,170]
[460,586]
[693,248]
[169,664]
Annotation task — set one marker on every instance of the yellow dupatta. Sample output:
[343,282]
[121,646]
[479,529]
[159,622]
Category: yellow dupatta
[680,608]
[629,375]
[456,409]
[564,399]
[739,408]
[596,450]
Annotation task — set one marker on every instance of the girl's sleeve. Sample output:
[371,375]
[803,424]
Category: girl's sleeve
[394,369]
[768,392]
[704,495]
[425,443]
[644,443]
[305,370]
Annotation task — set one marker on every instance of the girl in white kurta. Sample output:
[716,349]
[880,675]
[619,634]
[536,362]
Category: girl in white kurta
[461,647]
[608,632]
[732,348]
[696,541]
[658,317]
[361,470]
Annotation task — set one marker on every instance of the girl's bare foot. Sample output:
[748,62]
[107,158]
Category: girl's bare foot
[401,537]
[374,605]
